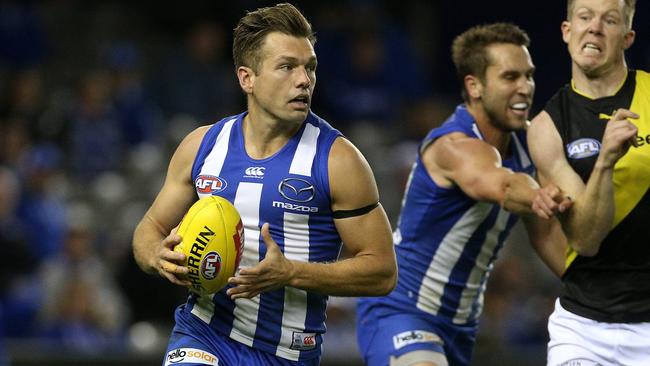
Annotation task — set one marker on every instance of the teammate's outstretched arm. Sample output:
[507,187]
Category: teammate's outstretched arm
[475,167]
[370,269]
[591,217]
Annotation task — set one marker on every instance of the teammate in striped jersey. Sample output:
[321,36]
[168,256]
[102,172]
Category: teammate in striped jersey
[469,181]
[301,189]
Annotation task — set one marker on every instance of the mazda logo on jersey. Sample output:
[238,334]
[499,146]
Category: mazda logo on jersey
[297,190]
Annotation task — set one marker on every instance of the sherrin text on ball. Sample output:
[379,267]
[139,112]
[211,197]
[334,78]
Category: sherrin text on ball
[212,241]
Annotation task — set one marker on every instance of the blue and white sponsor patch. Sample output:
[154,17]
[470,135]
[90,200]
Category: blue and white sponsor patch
[583,148]
[415,336]
[181,356]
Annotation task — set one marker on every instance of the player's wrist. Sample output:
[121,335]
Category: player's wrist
[292,273]
[604,164]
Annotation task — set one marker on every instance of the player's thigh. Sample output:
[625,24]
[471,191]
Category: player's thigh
[389,338]
[188,351]
[577,340]
[419,358]
[194,343]
[634,344]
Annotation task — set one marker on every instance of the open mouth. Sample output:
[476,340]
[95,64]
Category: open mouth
[591,49]
[301,101]
[520,108]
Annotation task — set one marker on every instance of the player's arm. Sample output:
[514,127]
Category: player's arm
[154,237]
[548,240]
[370,268]
[475,167]
[592,214]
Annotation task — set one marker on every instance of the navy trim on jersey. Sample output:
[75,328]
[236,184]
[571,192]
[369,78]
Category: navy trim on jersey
[208,143]
[343,214]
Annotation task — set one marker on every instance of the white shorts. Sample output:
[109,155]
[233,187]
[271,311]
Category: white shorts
[579,341]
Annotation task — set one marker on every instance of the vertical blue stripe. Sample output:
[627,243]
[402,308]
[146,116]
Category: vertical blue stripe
[316,303]
[271,303]
[270,314]
[459,275]
[476,305]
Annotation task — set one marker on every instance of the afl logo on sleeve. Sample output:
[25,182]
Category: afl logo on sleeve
[297,190]
[209,184]
[583,148]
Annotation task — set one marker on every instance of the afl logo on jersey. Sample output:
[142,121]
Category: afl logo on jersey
[209,184]
[297,190]
[583,148]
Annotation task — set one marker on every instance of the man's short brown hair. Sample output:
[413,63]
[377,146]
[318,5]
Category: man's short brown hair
[469,49]
[252,29]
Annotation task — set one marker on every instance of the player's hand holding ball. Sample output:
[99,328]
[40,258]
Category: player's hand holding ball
[212,241]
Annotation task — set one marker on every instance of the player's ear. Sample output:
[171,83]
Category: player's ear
[473,86]
[246,77]
[566,31]
[628,39]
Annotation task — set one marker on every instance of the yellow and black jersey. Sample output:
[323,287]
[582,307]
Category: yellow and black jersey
[614,285]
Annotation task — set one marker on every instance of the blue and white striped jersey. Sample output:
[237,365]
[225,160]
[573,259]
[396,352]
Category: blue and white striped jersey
[446,242]
[290,191]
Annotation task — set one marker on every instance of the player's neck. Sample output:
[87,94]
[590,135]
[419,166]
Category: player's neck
[263,137]
[491,134]
[603,85]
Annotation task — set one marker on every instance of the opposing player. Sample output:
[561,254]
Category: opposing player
[301,189]
[593,140]
[452,223]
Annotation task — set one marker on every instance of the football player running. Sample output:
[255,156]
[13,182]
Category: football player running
[302,190]
[470,183]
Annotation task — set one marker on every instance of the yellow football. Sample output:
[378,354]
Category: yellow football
[212,241]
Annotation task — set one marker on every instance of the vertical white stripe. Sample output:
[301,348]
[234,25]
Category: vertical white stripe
[449,251]
[204,308]
[473,286]
[296,236]
[216,157]
[247,202]
[523,156]
[303,159]
[477,131]
[296,240]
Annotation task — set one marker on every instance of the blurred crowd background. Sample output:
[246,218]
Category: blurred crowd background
[95,96]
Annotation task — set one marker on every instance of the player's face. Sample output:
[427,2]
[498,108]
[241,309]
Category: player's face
[508,89]
[597,35]
[285,81]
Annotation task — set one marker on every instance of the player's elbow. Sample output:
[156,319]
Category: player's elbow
[584,249]
[584,244]
[387,280]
